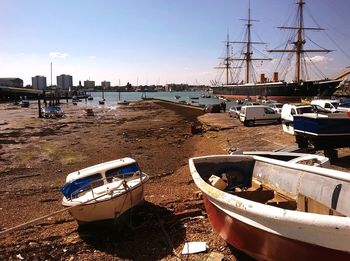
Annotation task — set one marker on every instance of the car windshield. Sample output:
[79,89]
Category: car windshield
[305,110]
[335,104]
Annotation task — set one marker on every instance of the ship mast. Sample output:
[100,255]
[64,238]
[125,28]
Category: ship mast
[248,54]
[300,41]
[227,60]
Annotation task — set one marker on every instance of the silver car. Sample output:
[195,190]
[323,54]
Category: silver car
[234,111]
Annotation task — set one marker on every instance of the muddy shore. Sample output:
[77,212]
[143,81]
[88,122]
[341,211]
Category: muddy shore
[37,154]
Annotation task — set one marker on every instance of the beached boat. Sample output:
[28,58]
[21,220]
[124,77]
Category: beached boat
[123,102]
[276,210]
[52,111]
[104,191]
[323,131]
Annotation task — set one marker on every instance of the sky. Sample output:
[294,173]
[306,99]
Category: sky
[153,41]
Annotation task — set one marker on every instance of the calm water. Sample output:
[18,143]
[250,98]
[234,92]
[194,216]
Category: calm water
[113,97]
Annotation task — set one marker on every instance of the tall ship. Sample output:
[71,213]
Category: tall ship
[273,88]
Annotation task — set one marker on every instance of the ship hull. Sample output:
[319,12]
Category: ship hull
[279,91]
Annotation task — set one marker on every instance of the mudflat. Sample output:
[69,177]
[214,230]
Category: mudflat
[37,154]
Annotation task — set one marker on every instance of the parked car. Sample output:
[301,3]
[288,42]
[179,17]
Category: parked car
[289,110]
[24,103]
[234,111]
[52,112]
[212,108]
[276,106]
[250,115]
[331,105]
[251,103]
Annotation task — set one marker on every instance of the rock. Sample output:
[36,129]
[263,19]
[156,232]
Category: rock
[215,256]
[33,244]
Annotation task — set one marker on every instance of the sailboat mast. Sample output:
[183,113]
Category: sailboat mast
[300,41]
[298,48]
[227,62]
[249,43]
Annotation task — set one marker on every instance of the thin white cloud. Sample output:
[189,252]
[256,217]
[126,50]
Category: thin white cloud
[92,57]
[58,55]
[319,59]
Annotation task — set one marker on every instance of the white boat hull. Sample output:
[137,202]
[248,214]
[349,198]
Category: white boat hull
[108,209]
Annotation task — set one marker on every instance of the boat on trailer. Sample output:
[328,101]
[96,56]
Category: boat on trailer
[105,191]
[276,210]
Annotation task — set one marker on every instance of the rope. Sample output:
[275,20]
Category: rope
[51,214]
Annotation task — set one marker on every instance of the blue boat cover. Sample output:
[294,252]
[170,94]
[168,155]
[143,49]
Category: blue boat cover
[73,188]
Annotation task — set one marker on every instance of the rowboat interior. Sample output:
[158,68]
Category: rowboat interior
[266,183]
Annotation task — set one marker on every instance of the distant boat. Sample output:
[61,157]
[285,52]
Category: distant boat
[276,210]
[102,101]
[177,97]
[90,98]
[105,191]
[205,95]
[75,99]
[122,102]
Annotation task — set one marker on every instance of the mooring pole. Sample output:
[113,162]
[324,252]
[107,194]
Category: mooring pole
[39,107]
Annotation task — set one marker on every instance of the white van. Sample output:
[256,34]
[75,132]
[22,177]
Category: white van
[253,114]
[330,105]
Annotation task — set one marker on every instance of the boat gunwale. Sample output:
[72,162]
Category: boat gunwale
[238,203]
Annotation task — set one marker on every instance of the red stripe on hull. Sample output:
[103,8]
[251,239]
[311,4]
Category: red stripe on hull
[264,245]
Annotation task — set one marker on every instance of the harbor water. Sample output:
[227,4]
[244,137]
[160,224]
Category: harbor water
[193,98]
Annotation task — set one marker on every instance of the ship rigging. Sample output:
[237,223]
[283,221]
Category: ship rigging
[301,86]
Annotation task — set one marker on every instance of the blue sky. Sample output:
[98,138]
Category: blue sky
[151,41]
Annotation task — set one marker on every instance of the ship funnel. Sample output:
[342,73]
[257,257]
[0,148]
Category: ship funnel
[275,77]
[262,78]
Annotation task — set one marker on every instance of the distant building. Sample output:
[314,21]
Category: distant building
[39,82]
[64,82]
[11,82]
[89,84]
[106,84]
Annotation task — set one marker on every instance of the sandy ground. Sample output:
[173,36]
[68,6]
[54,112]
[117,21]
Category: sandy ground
[37,154]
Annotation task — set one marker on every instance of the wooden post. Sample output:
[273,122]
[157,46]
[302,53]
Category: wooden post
[44,97]
[39,107]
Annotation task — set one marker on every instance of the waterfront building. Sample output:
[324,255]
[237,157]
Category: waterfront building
[89,84]
[11,82]
[106,84]
[39,82]
[64,82]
